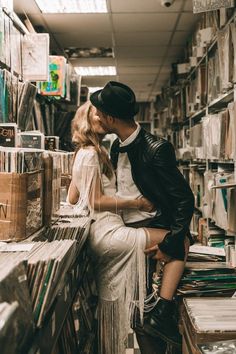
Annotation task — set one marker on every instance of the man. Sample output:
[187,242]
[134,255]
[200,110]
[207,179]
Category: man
[146,165]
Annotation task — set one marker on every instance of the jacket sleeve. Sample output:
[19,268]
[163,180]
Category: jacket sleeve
[179,193]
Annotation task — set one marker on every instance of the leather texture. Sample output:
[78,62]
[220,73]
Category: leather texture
[155,173]
[162,322]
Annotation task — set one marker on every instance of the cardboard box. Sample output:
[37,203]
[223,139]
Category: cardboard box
[21,204]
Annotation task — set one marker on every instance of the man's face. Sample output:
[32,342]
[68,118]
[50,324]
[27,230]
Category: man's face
[96,124]
[105,121]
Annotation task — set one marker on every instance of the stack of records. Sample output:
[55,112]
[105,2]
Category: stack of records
[18,312]
[9,316]
[211,278]
[19,160]
[222,347]
[27,96]
[209,319]
[200,253]
[47,265]
[70,229]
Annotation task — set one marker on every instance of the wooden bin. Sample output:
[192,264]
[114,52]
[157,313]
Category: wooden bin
[194,334]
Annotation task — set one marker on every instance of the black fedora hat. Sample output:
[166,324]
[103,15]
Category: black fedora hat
[116,100]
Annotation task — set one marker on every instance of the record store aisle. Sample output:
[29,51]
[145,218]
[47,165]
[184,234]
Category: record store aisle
[179,57]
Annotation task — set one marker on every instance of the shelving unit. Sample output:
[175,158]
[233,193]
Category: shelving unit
[186,110]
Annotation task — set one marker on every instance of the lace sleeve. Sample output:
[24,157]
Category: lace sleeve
[86,176]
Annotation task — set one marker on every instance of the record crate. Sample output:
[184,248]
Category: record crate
[21,204]
[207,320]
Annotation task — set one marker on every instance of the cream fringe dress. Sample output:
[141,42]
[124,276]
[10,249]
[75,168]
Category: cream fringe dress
[119,257]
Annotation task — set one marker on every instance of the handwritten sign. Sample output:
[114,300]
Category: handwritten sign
[211,5]
[3,210]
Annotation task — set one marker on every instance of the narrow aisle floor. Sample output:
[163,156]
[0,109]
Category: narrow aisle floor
[133,347]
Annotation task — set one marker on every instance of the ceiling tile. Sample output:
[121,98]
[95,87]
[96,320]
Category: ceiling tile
[75,39]
[166,69]
[138,70]
[144,22]
[140,52]
[187,22]
[143,6]
[92,61]
[143,38]
[83,23]
[181,37]
[97,80]
[25,6]
[152,61]
[176,51]
[133,77]
[188,6]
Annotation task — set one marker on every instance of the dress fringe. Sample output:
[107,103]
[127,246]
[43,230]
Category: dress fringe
[116,317]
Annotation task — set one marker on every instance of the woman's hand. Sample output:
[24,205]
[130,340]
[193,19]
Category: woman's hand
[145,205]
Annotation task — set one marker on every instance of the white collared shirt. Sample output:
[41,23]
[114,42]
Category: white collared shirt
[126,187]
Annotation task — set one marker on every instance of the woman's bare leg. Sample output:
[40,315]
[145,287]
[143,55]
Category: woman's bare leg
[173,270]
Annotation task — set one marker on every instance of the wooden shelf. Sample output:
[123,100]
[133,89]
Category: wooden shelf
[221,102]
[226,185]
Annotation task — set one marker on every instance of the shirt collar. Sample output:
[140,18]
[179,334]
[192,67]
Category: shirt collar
[132,137]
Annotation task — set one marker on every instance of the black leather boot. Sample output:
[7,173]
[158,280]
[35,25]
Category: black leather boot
[162,322]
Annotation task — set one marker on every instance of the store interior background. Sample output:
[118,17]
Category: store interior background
[195,109]
[146,38]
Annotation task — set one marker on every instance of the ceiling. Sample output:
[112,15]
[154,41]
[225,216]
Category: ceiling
[145,36]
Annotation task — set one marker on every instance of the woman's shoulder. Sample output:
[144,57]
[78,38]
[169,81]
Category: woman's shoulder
[87,155]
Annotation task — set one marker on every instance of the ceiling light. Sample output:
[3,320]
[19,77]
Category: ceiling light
[93,89]
[95,70]
[72,6]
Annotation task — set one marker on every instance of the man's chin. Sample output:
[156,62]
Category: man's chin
[101,135]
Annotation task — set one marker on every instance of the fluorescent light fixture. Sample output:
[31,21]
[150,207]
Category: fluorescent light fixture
[72,6]
[93,89]
[95,70]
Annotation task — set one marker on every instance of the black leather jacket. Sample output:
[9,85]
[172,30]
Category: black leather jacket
[154,171]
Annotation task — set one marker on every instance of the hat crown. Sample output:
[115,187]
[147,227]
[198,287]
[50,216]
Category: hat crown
[116,99]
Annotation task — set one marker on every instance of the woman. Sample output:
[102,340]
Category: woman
[118,250]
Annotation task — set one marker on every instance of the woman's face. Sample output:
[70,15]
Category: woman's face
[96,123]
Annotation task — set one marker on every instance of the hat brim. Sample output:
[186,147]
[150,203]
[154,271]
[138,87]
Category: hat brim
[99,105]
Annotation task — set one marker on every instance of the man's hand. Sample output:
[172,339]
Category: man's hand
[155,253]
[146,205]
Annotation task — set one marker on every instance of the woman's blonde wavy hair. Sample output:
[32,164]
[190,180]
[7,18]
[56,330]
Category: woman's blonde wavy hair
[84,135]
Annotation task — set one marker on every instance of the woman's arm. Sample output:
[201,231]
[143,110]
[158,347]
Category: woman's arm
[90,192]
[73,194]
[102,202]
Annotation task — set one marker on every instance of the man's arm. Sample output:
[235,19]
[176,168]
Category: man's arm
[180,196]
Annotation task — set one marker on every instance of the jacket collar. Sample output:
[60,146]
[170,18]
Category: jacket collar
[133,144]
